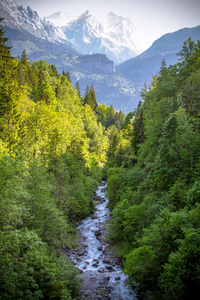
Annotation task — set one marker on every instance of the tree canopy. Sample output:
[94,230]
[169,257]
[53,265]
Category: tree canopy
[52,146]
[153,184]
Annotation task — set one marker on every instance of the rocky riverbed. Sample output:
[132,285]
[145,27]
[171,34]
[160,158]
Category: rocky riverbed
[101,273]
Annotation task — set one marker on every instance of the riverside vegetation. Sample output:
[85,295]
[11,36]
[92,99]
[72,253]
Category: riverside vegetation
[154,184]
[52,145]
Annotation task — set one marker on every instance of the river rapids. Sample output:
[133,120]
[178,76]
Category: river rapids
[101,272]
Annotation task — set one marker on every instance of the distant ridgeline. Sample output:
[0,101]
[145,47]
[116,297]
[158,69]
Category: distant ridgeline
[52,145]
[44,41]
[102,55]
[154,184]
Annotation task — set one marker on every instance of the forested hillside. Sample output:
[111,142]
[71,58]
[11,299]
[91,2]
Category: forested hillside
[154,186]
[52,145]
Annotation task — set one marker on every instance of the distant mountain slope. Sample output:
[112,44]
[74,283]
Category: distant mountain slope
[111,86]
[147,64]
[113,37]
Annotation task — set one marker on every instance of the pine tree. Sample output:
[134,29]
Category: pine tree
[9,94]
[24,58]
[4,49]
[163,67]
[111,116]
[87,95]
[93,104]
[68,76]
[90,98]
[187,50]
[23,70]
[78,89]
[64,73]
[54,70]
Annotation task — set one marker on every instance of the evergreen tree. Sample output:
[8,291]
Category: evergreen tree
[187,50]
[78,89]
[111,116]
[24,60]
[54,70]
[163,67]
[9,95]
[69,76]
[23,70]
[4,49]
[138,129]
[93,104]
[87,95]
[90,97]
[64,73]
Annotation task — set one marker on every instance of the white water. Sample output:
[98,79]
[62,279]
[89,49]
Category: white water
[93,253]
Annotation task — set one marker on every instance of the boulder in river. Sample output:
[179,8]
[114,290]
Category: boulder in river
[102,270]
[110,268]
[95,265]
[97,232]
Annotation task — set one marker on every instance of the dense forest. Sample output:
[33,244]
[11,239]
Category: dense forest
[55,145]
[154,184]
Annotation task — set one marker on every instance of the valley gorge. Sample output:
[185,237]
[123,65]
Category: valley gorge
[99,269]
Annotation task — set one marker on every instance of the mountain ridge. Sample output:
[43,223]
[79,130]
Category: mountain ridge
[18,17]
[111,87]
[147,64]
[120,86]
[113,37]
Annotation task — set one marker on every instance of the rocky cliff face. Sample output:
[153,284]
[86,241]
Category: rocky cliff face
[18,17]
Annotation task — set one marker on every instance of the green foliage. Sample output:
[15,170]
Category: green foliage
[193,196]
[90,98]
[27,271]
[12,193]
[52,146]
[154,200]
[181,276]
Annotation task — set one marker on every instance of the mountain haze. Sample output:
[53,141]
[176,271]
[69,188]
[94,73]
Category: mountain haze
[121,85]
[113,37]
[44,41]
[147,64]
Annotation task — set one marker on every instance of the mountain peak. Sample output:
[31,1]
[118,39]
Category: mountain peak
[85,15]
[60,18]
[19,17]
[114,37]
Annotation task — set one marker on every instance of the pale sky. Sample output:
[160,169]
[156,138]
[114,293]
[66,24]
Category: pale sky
[152,18]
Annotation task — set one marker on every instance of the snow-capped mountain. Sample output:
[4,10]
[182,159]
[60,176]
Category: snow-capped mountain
[60,18]
[18,17]
[114,37]
[43,41]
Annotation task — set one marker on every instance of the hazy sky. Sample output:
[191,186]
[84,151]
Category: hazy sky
[152,18]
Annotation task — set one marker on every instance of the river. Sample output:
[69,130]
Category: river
[101,273]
